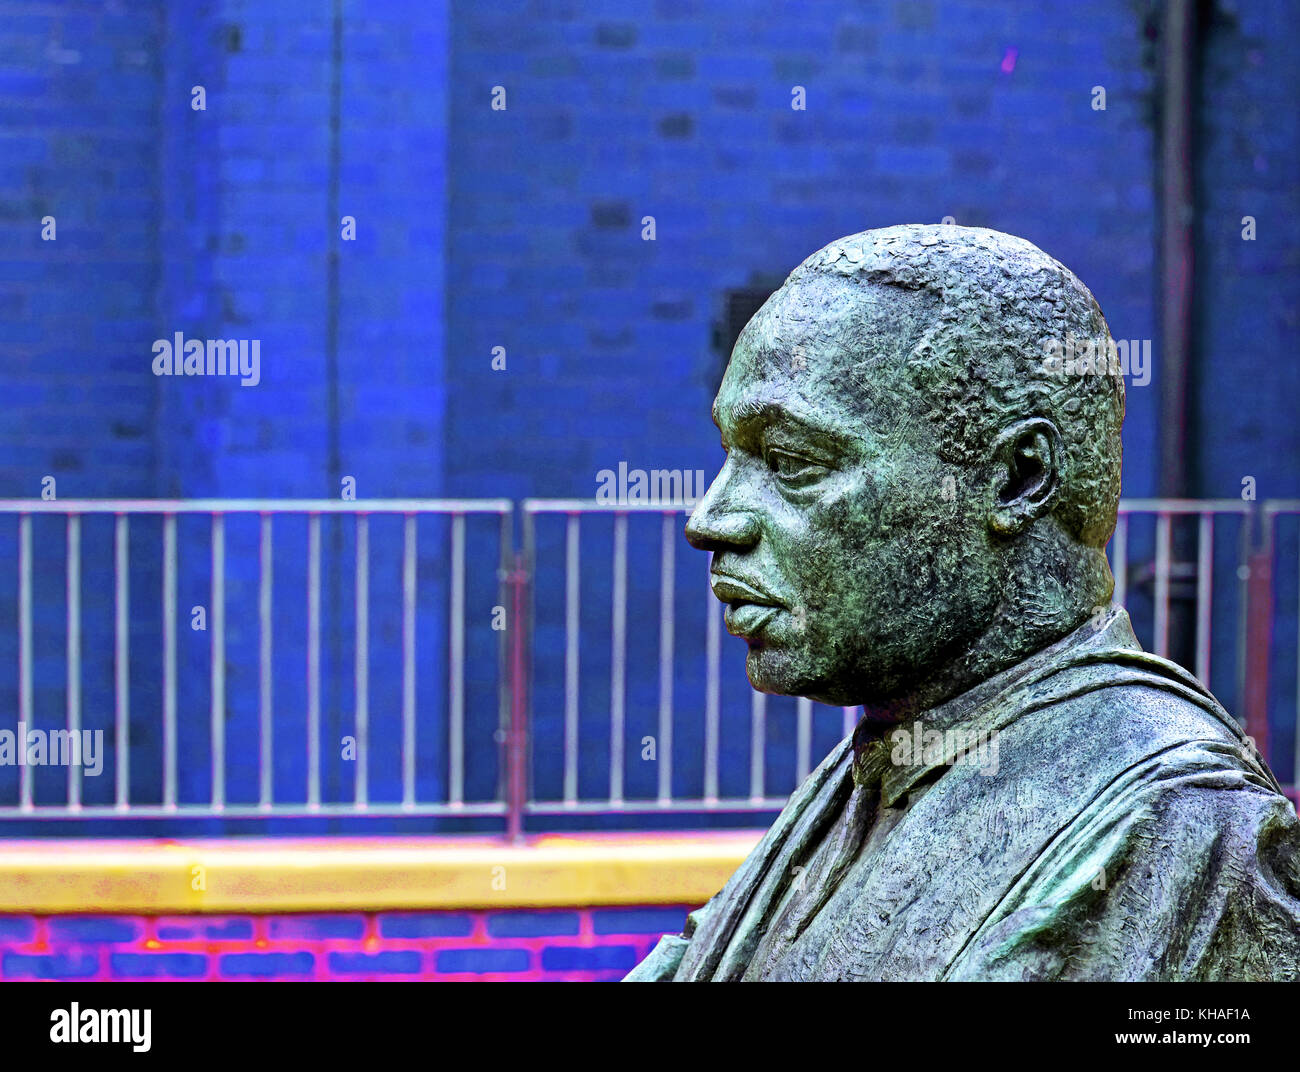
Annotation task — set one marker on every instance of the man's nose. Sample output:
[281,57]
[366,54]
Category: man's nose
[721,520]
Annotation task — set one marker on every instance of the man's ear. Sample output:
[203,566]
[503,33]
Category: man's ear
[1026,462]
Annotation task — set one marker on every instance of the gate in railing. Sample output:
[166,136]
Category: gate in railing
[392,660]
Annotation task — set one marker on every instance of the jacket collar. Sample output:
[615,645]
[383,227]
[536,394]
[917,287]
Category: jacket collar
[982,710]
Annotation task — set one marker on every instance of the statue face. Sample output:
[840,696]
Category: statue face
[854,561]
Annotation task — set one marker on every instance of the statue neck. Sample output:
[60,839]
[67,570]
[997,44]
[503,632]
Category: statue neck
[1051,586]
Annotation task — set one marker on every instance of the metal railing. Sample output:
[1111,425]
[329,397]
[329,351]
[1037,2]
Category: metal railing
[562,720]
[217,511]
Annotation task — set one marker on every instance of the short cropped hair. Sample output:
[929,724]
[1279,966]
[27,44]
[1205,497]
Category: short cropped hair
[998,305]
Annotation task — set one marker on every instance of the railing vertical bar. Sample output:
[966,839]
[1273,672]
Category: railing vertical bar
[409,537]
[169,660]
[1164,541]
[757,743]
[313,661]
[1120,565]
[1259,631]
[803,746]
[712,695]
[218,715]
[121,659]
[1244,538]
[512,662]
[265,694]
[24,654]
[361,663]
[517,736]
[1204,594]
[73,578]
[618,662]
[667,582]
[572,590]
[456,671]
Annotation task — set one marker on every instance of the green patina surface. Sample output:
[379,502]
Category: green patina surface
[912,517]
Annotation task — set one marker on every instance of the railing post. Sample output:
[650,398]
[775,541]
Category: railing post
[517,735]
[1259,626]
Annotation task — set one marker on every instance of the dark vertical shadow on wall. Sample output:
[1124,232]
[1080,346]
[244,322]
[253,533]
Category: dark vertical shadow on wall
[1177,185]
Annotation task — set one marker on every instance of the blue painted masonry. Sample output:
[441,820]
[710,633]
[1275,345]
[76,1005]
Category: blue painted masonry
[521,228]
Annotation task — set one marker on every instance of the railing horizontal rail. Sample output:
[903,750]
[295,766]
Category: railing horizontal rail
[255,506]
[253,811]
[584,506]
[1185,506]
[735,805]
[1146,506]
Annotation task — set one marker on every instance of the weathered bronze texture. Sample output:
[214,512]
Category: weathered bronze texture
[922,428]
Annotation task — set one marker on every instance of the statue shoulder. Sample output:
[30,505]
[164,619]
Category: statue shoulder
[1138,709]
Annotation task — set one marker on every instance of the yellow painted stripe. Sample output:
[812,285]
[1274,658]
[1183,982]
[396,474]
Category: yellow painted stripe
[374,874]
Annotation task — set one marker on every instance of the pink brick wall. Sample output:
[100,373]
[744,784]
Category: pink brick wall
[522,944]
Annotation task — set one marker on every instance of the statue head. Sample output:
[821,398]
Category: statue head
[918,489]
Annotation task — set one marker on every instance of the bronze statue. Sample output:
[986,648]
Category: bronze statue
[912,516]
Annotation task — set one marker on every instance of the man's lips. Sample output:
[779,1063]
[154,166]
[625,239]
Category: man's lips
[733,590]
[749,608]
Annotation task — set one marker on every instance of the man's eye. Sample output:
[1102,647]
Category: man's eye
[792,469]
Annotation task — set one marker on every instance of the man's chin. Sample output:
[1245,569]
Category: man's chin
[784,673]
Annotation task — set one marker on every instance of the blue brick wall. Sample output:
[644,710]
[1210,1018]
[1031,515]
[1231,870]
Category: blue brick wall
[1249,162]
[404,963]
[266,965]
[518,944]
[196,929]
[1247,376]
[683,112]
[95,930]
[48,966]
[425,925]
[321,926]
[80,133]
[158,965]
[532,924]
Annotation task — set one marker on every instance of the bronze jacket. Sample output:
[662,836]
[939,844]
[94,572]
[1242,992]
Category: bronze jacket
[1128,832]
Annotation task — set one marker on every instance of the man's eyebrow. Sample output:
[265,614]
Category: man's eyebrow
[773,413]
